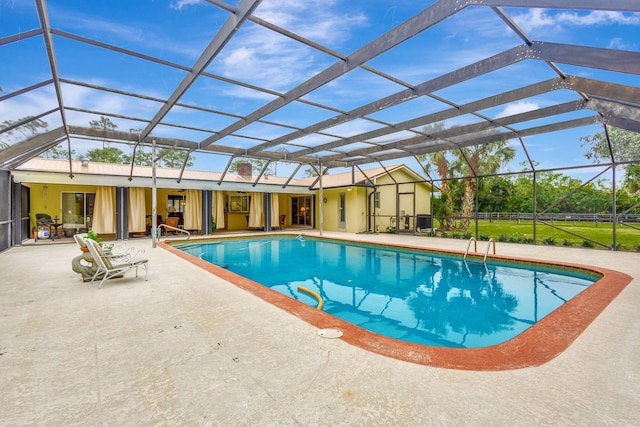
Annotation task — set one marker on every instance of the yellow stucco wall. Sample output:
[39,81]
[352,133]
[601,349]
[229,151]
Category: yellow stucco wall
[52,204]
[358,197]
[355,209]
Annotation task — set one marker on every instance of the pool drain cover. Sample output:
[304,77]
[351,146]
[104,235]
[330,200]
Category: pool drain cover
[330,333]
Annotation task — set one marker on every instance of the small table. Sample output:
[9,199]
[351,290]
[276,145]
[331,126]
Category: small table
[54,234]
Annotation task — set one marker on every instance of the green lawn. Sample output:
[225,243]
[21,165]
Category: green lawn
[627,238]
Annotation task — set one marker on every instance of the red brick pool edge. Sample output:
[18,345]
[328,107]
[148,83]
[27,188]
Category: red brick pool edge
[537,345]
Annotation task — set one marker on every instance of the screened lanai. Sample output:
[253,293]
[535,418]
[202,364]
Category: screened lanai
[326,87]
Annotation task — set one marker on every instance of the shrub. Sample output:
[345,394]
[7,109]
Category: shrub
[567,242]
[528,240]
[483,237]
[587,244]
[502,238]
[468,235]
[551,241]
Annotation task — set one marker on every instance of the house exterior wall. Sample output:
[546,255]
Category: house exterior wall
[416,201]
[330,214]
[359,205]
[401,197]
[52,205]
[355,210]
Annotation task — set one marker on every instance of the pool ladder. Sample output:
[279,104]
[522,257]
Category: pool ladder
[475,248]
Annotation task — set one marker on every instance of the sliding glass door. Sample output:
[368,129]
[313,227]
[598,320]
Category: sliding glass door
[77,209]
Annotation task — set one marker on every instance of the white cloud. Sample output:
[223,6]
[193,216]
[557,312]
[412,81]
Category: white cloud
[536,19]
[619,43]
[179,4]
[260,56]
[129,35]
[517,108]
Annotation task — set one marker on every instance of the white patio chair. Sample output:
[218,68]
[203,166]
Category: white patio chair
[109,266]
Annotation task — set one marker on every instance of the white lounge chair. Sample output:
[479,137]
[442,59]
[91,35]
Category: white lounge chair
[110,266]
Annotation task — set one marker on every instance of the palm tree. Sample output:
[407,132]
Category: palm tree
[105,124]
[479,160]
[439,162]
[444,208]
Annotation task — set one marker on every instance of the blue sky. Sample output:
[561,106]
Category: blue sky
[177,31]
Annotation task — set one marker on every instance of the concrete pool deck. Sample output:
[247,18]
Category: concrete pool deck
[189,348]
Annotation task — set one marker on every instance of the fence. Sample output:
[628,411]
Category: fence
[556,217]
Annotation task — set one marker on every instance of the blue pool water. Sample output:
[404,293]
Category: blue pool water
[415,296]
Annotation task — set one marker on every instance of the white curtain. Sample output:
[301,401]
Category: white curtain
[193,210]
[137,211]
[256,217]
[275,210]
[218,210]
[104,212]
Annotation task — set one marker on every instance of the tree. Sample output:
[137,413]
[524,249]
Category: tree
[624,144]
[479,160]
[105,124]
[27,130]
[443,206]
[143,158]
[173,158]
[58,152]
[312,172]
[106,155]
[496,194]
[632,179]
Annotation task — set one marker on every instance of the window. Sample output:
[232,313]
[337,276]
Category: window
[77,208]
[176,202]
[376,200]
[238,203]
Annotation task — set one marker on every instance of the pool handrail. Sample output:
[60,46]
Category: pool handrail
[475,247]
[489,246]
[182,230]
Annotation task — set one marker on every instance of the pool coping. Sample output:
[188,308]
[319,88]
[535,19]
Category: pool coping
[535,346]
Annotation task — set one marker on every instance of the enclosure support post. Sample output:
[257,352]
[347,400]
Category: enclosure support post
[476,209]
[614,217]
[154,197]
[535,208]
[321,197]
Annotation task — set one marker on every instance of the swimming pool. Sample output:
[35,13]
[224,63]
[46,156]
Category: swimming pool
[423,298]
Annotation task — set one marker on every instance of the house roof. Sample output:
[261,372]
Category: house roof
[36,169]
[359,177]
[97,173]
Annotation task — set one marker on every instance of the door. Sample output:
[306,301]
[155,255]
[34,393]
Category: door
[342,211]
[407,204]
[301,210]
[25,208]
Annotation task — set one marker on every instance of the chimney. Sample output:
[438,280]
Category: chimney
[244,170]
